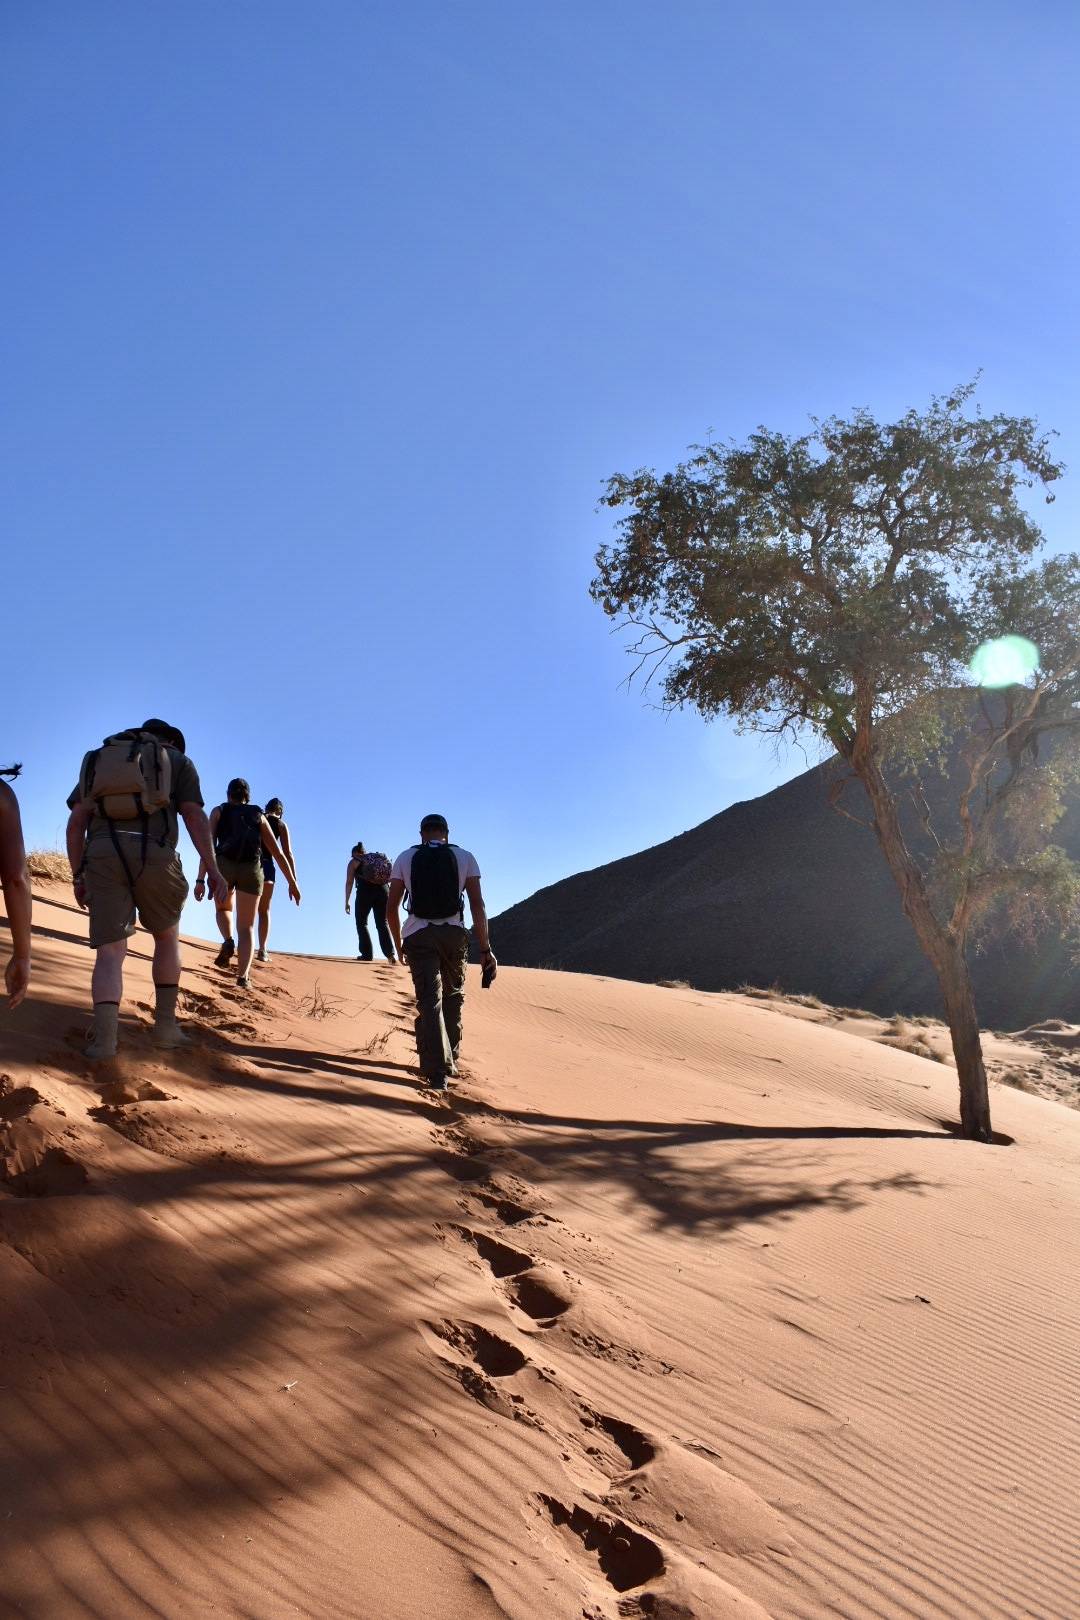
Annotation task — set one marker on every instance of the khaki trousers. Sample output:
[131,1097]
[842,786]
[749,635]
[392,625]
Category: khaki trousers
[437,956]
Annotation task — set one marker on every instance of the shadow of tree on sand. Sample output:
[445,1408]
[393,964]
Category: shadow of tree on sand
[152,1371]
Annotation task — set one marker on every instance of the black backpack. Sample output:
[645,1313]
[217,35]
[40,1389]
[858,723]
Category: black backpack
[434,888]
[239,833]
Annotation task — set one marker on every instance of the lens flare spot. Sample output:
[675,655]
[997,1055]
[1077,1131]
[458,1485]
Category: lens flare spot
[1006,661]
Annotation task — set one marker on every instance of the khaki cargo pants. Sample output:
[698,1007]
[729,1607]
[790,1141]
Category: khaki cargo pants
[437,956]
[160,888]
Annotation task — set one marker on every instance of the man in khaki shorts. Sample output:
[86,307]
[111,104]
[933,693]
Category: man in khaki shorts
[124,861]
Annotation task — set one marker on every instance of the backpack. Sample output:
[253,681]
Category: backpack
[239,833]
[434,888]
[375,868]
[128,778]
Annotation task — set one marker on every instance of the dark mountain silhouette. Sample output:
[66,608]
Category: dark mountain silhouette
[778,890]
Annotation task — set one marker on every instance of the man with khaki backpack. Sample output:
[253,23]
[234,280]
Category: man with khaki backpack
[121,842]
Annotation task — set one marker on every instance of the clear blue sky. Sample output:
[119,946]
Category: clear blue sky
[325,322]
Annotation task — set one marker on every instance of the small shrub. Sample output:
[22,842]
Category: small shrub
[674,984]
[48,864]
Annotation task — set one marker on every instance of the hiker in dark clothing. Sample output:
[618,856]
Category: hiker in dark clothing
[366,871]
[241,833]
[437,875]
[121,844]
[275,817]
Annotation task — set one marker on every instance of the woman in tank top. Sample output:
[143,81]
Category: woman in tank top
[275,815]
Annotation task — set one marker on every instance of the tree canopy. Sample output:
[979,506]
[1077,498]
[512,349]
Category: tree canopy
[841,583]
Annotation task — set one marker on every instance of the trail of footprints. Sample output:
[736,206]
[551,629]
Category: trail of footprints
[604,1456]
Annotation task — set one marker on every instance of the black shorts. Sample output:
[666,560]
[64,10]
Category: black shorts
[269,869]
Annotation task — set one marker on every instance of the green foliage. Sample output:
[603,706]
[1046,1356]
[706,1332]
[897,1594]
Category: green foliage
[839,583]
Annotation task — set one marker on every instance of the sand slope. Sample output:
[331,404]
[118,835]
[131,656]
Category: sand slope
[680,1307]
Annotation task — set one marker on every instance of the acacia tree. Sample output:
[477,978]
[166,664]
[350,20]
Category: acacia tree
[839,584]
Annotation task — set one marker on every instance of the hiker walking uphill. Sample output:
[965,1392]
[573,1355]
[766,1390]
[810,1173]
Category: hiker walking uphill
[275,818]
[370,871]
[436,876]
[241,834]
[121,843]
[15,883]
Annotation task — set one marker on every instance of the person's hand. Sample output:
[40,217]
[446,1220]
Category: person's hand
[219,889]
[17,979]
[200,889]
[78,887]
[348,909]
[294,894]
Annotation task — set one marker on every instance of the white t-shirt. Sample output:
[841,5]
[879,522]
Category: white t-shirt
[467,868]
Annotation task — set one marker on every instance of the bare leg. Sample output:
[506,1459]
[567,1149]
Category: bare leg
[246,906]
[107,983]
[224,917]
[167,967]
[167,964]
[107,987]
[264,914]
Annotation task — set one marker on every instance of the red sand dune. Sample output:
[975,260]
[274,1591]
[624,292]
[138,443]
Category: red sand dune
[677,1307]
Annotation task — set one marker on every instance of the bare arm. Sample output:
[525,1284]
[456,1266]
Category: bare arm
[286,844]
[207,858]
[201,832]
[78,822]
[350,879]
[393,913]
[16,886]
[479,914]
[272,847]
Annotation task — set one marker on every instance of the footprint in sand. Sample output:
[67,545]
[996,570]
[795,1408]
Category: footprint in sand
[477,1357]
[659,1584]
[509,1212]
[626,1557]
[501,1259]
[540,1291]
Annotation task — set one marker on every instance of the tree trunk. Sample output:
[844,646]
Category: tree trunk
[959,1002]
[945,954]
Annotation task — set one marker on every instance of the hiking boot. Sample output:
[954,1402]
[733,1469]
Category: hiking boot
[168,1034]
[224,956]
[101,1042]
[262,956]
[439,1083]
[244,983]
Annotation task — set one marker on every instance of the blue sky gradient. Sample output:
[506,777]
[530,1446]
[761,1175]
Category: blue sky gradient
[325,324]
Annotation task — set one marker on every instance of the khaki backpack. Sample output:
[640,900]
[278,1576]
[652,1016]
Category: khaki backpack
[128,777]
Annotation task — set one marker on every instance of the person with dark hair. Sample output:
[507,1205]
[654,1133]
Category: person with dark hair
[121,842]
[436,875]
[275,820]
[370,873]
[15,883]
[241,833]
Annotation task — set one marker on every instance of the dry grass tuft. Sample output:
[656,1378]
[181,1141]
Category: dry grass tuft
[906,1035]
[49,865]
[1018,1080]
[674,984]
[377,1043]
[319,1006]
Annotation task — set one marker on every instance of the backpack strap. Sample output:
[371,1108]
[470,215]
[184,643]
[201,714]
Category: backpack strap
[407,897]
